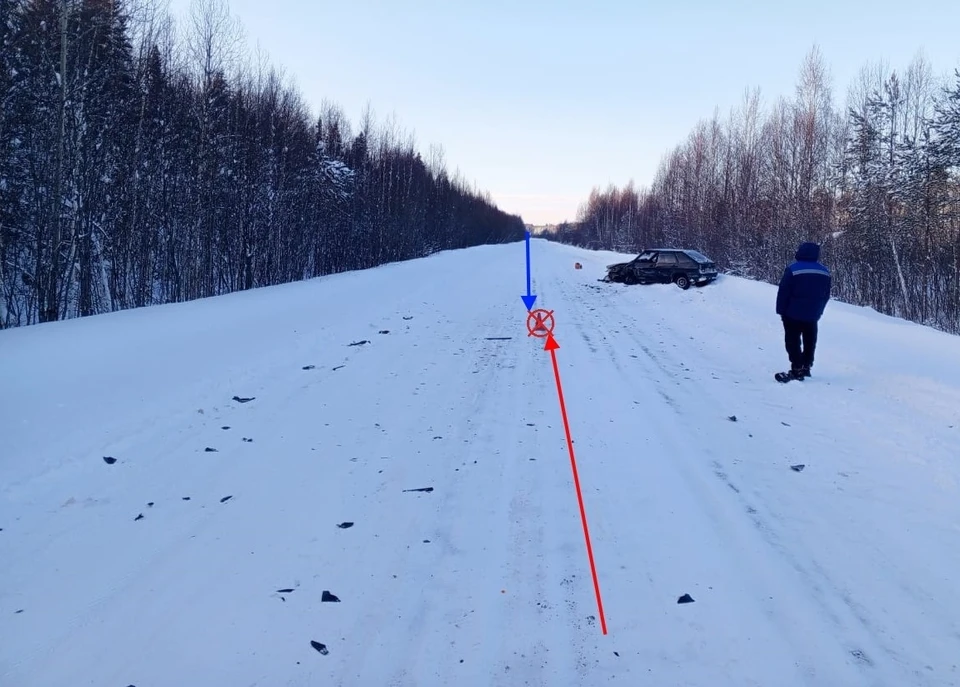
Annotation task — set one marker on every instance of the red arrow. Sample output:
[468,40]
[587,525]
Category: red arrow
[552,346]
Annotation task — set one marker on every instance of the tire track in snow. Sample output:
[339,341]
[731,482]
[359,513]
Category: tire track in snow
[761,523]
[848,617]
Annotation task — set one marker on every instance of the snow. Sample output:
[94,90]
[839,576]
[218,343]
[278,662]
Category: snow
[845,573]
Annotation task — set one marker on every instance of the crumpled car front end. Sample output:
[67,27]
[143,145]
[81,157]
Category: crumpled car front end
[616,272]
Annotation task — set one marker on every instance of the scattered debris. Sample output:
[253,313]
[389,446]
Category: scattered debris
[328,597]
[210,450]
[238,399]
[499,338]
[109,460]
[139,517]
[186,498]
[732,418]
[150,504]
[345,525]
[426,489]
[226,498]
[435,438]
[685,599]
[359,343]
[225,427]
[785,424]
[284,591]
[616,653]
[338,367]
[408,318]
[308,367]
[426,541]
[797,468]
[384,331]
[249,441]
[322,648]
[19,612]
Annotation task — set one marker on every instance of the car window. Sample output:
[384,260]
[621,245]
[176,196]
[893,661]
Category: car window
[699,257]
[666,260]
[646,256]
[685,260]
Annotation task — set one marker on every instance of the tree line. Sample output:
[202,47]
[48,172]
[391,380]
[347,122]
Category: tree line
[877,183]
[143,164]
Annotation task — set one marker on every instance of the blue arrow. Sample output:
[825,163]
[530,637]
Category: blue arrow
[528,300]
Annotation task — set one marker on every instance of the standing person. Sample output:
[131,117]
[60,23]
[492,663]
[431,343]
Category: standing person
[801,299]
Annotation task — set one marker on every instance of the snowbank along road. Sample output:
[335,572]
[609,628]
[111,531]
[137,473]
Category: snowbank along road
[364,480]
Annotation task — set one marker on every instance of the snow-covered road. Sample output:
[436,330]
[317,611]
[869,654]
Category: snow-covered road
[844,573]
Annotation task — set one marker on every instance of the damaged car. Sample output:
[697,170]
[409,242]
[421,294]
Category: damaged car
[680,266]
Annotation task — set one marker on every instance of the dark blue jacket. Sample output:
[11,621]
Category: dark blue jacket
[804,287]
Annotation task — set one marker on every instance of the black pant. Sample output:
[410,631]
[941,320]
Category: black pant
[795,331]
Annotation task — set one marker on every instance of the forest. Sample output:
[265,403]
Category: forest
[876,181]
[142,163]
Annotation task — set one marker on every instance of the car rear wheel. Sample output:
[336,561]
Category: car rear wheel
[682,281]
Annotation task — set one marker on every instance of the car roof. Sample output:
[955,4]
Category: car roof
[690,252]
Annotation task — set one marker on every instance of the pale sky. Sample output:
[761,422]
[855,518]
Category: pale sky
[539,101]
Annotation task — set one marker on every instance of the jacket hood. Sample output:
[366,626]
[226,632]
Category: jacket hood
[808,252]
